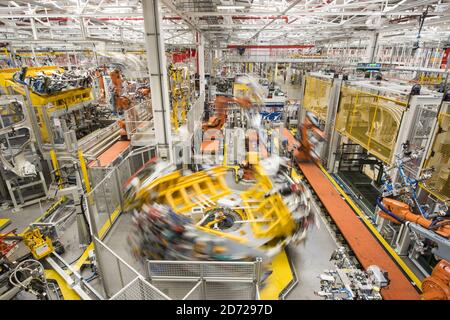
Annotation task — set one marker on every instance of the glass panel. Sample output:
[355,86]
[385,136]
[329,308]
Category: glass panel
[317,92]
[370,120]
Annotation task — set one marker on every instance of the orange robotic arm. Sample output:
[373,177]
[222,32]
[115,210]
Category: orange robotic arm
[401,210]
[437,286]
[303,152]
[121,102]
[116,80]
[221,103]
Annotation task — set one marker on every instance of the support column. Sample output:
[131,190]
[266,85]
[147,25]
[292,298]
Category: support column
[156,62]
[275,71]
[211,60]
[211,53]
[201,61]
[372,47]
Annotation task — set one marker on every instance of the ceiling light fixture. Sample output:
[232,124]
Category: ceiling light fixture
[230,7]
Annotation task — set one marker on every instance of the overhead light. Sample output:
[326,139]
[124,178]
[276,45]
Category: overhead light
[230,7]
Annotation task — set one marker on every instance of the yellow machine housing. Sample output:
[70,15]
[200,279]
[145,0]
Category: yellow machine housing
[39,246]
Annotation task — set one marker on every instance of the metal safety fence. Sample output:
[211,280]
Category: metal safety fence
[120,280]
[139,289]
[139,123]
[371,120]
[206,280]
[139,113]
[97,174]
[316,97]
[105,201]
[194,115]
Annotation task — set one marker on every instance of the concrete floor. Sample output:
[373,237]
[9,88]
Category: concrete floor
[22,218]
[310,259]
[117,241]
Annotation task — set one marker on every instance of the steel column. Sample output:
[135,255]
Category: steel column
[201,61]
[332,136]
[156,62]
[372,47]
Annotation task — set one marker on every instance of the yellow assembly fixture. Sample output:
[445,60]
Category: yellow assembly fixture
[269,218]
[39,245]
[180,91]
[45,106]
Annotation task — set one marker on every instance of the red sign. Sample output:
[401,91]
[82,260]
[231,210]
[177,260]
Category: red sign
[181,56]
[445,58]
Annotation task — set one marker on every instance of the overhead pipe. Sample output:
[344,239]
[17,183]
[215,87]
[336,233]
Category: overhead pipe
[272,46]
[285,18]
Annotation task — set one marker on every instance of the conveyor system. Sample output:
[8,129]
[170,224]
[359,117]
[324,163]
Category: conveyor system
[366,243]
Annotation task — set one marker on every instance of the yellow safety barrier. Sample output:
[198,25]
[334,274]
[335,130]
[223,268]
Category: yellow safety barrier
[439,184]
[317,93]
[372,121]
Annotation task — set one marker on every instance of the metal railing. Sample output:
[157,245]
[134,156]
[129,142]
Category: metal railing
[104,205]
[139,123]
[139,289]
[194,115]
[120,280]
[206,280]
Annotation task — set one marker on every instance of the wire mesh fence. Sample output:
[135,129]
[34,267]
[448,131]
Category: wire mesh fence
[115,273]
[105,201]
[139,289]
[206,280]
